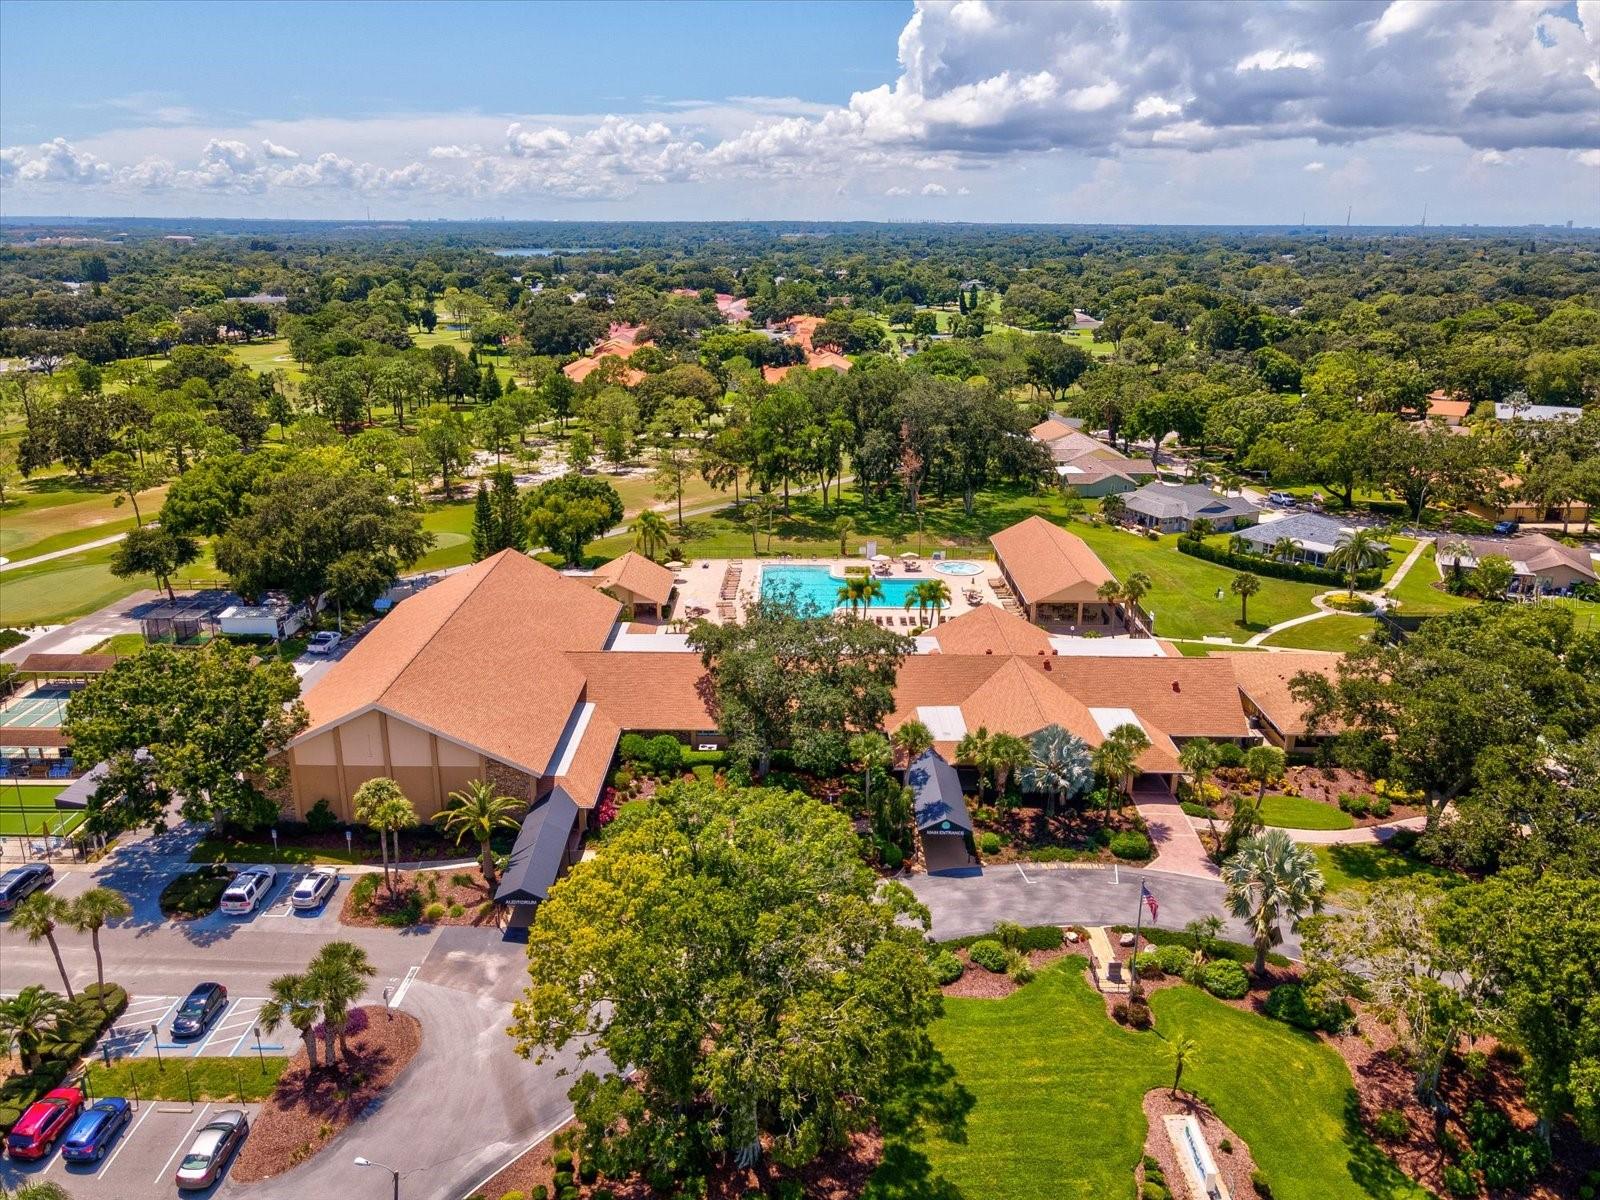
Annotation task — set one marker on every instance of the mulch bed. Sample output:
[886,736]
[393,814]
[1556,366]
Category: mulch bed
[841,1176]
[309,1108]
[1234,1164]
[1027,829]
[1323,784]
[977,983]
[445,891]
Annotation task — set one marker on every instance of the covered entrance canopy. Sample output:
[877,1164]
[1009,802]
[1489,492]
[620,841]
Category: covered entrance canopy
[538,857]
[937,803]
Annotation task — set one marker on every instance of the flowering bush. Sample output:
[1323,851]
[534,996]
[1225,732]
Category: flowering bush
[606,810]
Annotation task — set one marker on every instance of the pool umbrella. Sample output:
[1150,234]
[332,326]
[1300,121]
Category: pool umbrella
[911,554]
[674,565]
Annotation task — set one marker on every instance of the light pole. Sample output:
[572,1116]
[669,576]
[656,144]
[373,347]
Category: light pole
[393,1174]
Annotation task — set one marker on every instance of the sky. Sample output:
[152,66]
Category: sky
[959,110]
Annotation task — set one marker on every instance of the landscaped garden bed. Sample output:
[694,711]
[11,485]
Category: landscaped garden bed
[194,893]
[1024,833]
[299,845]
[1228,1150]
[309,1108]
[1315,797]
[439,897]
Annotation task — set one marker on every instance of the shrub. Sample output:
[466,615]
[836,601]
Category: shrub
[1391,1125]
[632,748]
[1131,844]
[538,1191]
[622,779]
[1229,754]
[705,758]
[1380,806]
[1356,806]
[569,1193]
[1225,1146]
[664,754]
[989,842]
[561,1160]
[1174,960]
[1226,979]
[433,913]
[514,1196]
[1459,1181]
[1018,968]
[1272,568]
[456,911]
[321,818]
[1119,1012]
[562,1180]
[1139,1016]
[362,892]
[1288,1003]
[1041,937]
[1262,1187]
[1196,810]
[1008,934]
[947,968]
[1148,965]
[704,773]
[988,954]
[893,857]
[1351,604]
[1154,1191]
[602,1194]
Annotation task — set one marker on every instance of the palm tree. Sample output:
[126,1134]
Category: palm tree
[1244,585]
[912,739]
[1357,550]
[1117,758]
[870,751]
[36,919]
[1237,544]
[1457,549]
[1134,589]
[384,808]
[1200,757]
[843,527]
[1057,767]
[337,976]
[1271,880]
[931,593]
[1007,753]
[38,1189]
[860,590]
[1264,764]
[1110,592]
[1113,507]
[88,914]
[651,534]
[973,749]
[1285,549]
[29,1018]
[1184,1051]
[479,813]
[292,999]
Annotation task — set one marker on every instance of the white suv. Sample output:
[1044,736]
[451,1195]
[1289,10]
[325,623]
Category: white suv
[247,890]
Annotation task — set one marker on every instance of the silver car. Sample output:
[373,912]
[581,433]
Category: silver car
[314,888]
[211,1149]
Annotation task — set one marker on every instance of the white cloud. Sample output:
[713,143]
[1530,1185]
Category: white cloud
[935,189]
[1315,166]
[1492,158]
[272,150]
[1402,16]
[59,161]
[1589,158]
[457,152]
[1279,60]
[897,191]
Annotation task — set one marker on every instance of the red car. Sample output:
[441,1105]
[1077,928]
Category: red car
[44,1122]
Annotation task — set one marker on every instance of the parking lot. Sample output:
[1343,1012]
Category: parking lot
[141,1162]
[145,1030]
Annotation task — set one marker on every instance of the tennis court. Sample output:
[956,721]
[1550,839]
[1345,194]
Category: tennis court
[42,708]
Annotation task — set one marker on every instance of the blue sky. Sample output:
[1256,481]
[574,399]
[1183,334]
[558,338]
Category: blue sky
[950,109]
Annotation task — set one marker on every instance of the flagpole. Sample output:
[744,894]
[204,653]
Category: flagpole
[1138,918]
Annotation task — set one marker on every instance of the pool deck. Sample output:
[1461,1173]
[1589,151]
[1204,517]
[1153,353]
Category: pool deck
[701,586]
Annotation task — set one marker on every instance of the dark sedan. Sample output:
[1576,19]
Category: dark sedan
[201,1007]
[96,1128]
[23,881]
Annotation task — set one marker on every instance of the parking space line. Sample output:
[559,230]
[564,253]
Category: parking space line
[215,1028]
[183,1143]
[126,1138]
[405,985]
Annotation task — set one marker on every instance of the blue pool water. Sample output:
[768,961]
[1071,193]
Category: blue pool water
[956,567]
[818,588]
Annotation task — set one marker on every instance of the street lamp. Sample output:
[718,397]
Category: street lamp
[393,1174]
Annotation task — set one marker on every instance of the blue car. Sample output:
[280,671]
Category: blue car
[96,1128]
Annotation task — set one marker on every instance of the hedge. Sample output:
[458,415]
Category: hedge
[1237,951]
[1034,937]
[80,1029]
[1271,567]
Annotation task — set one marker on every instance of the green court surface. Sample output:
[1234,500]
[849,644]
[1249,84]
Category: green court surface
[42,708]
[30,810]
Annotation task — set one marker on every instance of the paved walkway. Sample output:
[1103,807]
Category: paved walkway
[9,565]
[1417,552]
[1178,846]
[1362,835]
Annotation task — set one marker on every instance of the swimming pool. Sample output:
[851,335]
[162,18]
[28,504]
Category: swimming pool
[957,567]
[817,588]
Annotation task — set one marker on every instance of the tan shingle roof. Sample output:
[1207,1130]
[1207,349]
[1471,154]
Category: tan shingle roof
[637,574]
[1264,678]
[1046,563]
[988,629]
[646,689]
[1186,697]
[477,658]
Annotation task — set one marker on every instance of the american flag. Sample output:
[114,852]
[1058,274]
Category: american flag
[1149,900]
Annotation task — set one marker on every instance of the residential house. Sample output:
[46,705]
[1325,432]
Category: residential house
[1512,505]
[1314,536]
[620,342]
[1540,563]
[1087,464]
[1451,408]
[1174,507]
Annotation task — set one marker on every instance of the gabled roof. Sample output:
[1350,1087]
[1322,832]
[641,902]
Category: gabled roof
[937,803]
[1054,426]
[1530,553]
[539,851]
[988,629]
[635,573]
[1185,500]
[1044,561]
[1264,678]
[476,658]
[1312,531]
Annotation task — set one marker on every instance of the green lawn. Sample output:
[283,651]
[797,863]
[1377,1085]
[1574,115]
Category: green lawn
[242,1079]
[1420,597]
[1056,1089]
[1205,649]
[1298,812]
[24,808]
[1353,867]
[1341,634]
[122,644]
[1184,597]
[55,511]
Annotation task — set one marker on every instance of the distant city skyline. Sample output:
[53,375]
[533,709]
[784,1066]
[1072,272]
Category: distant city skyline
[970,111]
